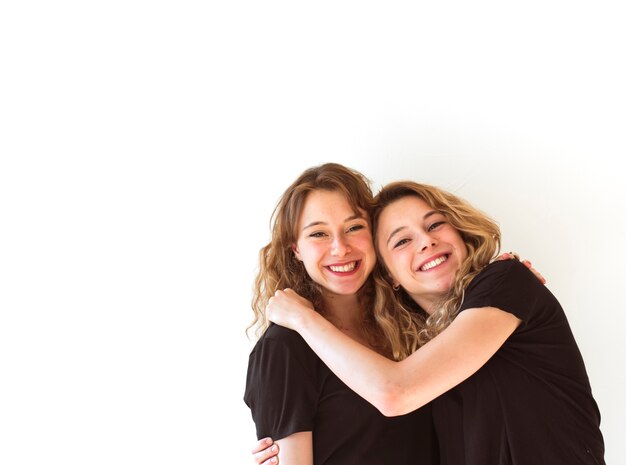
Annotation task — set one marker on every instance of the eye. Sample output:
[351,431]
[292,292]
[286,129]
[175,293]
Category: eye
[435,225]
[317,234]
[356,227]
[400,243]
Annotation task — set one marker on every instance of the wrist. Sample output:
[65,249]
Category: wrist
[303,318]
[310,321]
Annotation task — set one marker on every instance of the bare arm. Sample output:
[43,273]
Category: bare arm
[396,388]
[296,449]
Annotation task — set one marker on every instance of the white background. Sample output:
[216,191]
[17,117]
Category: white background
[144,144]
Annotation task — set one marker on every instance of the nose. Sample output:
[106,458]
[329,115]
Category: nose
[339,246]
[428,241]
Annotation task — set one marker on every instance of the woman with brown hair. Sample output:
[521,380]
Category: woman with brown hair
[321,247]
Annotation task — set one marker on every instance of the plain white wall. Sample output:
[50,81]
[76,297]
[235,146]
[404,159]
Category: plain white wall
[145,144]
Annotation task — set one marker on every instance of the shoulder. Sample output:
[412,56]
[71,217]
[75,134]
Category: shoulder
[509,286]
[499,283]
[281,334]
[282,354]
[499,272]
[503,267]
[280,338]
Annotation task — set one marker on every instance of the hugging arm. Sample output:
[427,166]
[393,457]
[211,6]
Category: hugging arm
[396,388]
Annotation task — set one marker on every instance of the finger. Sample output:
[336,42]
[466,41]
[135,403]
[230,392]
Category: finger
[527,263]
[267,456]
[507,256]
[271,461]
[262,445]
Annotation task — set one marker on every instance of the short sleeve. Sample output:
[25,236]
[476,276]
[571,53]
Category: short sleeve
[507,285]
[281,386]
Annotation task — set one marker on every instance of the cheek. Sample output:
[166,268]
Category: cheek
[462,247]
[397,266]
[392,263]
[367,246]
[309,254]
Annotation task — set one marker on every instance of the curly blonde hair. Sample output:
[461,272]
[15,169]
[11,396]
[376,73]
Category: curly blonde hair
[390,328]
[480,233]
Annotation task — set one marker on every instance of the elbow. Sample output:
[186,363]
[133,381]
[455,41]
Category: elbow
[393,391]
[391,402]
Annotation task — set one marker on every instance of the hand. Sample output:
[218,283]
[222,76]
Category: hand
[514,256]
[287,308]
[265,452]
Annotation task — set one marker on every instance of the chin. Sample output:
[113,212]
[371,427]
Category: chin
[345,290]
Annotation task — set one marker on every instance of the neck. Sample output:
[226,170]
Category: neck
[344,311]
[426,303]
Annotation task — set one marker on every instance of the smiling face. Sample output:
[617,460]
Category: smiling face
[420,248]
[334,244]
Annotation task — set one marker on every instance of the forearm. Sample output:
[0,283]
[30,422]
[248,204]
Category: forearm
[396,388]
[393,387]
[369,374]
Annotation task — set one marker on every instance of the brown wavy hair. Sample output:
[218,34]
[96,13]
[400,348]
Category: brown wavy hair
[390,328]
[480,233]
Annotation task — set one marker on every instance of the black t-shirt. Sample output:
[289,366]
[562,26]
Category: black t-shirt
[531,403]
[289,389]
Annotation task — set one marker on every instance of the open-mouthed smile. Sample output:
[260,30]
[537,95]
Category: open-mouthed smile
[345,267]
[434,263]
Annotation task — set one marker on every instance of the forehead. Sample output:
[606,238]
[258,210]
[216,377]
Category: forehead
[402,212]
[322,205]
[322,201]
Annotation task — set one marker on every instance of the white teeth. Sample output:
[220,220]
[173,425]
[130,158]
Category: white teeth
[343,268]
[434,263]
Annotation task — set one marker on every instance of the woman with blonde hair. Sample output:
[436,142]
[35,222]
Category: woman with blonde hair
[497,355]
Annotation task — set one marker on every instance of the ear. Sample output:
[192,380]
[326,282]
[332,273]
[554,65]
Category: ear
[294,247]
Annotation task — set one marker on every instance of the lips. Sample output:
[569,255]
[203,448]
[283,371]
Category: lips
[344,267]
[430,264]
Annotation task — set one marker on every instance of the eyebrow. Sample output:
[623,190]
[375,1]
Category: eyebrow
[397,230]
[317,223]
